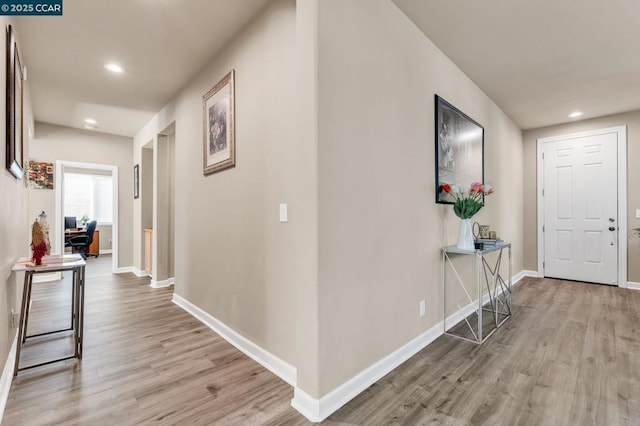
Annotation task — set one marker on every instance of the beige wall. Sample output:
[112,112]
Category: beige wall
[380,229]
[233,258]
[349,146]
[54,142]
[15,232]
[632,121]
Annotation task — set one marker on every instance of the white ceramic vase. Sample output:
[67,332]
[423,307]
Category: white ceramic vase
[465,235]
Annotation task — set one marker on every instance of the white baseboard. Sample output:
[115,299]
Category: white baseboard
[633,285]
[277,366]
[132,270]
[526,273]
[161,284]
[107,251]
[7,376]
[316,410]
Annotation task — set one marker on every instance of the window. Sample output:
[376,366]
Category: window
[91,195]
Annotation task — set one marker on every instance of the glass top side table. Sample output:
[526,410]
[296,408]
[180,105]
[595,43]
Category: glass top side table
[492,293]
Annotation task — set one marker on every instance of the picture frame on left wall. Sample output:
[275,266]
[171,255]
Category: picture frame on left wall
[14,105]
[136,181]
[218,115]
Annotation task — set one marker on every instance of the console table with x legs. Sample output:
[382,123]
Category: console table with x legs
[496,300]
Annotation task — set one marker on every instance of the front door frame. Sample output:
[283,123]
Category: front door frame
[622,195]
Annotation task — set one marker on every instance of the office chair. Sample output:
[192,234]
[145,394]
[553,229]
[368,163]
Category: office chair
[83,241]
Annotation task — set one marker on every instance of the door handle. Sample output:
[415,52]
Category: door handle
[611,219]
[612,228]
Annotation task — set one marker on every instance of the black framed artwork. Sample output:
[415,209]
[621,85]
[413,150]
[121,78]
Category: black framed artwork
[14,99]
[459,150]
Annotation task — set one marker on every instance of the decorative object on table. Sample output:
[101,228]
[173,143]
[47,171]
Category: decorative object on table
[459,149]
[44,223]
[136,181]
[219,126]
[467,203]
[40,174]
[14,73]
[492,235]
[84,219]
[480,232]
[38,242]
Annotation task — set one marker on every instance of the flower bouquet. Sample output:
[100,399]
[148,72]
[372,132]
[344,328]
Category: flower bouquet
[467,203]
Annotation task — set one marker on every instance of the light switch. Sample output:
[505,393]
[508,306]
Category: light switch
[284,216]
[637,213]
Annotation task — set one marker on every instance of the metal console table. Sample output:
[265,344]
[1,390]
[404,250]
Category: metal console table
[73,263]
[496,301]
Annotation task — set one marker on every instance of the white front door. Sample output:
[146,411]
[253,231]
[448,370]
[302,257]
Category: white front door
[580,196]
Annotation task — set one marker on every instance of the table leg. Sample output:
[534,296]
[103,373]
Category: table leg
[73,300]
[28,308]
[81,283]
[28,277]
[480,295]
[76,310]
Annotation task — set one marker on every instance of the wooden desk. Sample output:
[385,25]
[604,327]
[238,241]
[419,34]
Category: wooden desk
[73,263]
[94,248]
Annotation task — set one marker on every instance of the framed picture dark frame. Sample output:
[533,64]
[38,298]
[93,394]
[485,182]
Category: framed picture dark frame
[136,181]
[14,99]
[459,149]
[218,115]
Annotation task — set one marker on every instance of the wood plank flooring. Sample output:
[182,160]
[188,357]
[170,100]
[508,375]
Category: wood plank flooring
[569,356]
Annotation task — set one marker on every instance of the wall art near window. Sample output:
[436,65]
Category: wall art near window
[459,149]
[40,174]
[219,126]
[14,107]
[136,181]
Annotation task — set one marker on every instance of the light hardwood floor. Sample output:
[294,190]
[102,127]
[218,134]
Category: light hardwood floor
[570,356]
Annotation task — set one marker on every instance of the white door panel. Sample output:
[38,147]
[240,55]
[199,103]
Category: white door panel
[580,205]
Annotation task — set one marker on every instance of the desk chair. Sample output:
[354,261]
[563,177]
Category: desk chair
[83,241]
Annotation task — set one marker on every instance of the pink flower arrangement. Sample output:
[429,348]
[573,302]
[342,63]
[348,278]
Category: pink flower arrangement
[467,201]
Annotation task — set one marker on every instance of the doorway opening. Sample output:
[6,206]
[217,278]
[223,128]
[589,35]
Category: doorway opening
[582,206]
[89,191]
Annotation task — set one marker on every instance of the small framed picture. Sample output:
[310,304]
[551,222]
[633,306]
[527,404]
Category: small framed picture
[219,126]
[136,181]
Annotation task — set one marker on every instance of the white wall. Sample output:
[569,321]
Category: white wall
[54,142]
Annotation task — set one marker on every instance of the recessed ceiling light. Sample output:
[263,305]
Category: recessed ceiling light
[114,68]
[576,114]
[90,121]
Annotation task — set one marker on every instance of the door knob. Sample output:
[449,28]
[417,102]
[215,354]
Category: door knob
[612,228]
[611,219]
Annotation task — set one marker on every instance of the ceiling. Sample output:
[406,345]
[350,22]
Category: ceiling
[541,60]
[161,44]
[538,60]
